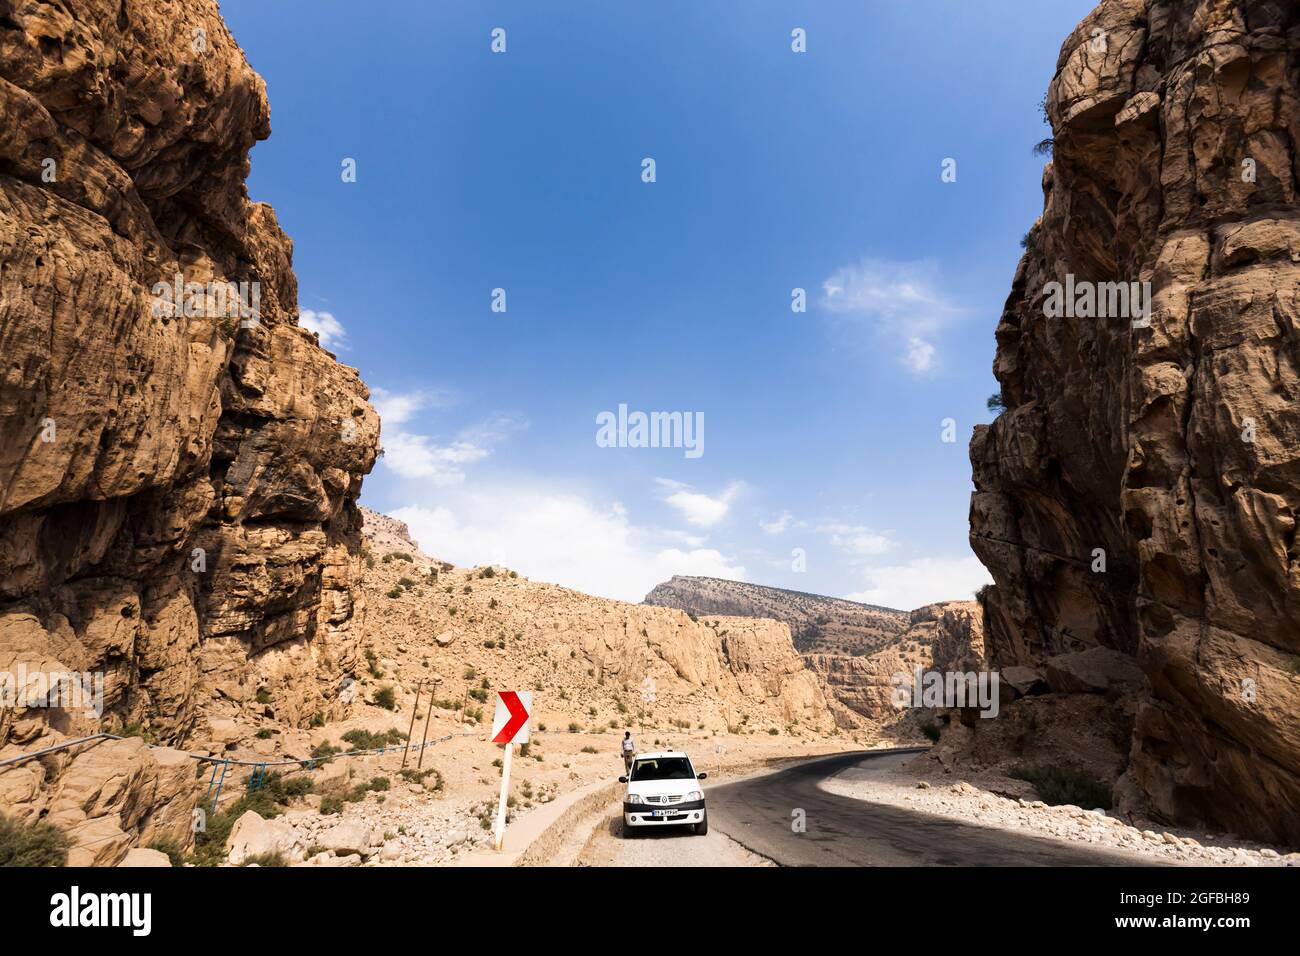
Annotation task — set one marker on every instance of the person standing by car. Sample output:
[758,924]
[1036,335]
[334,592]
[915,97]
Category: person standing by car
[629,749]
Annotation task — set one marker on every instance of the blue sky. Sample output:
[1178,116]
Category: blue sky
[774,170]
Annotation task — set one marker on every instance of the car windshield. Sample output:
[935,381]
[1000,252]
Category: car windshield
[663,768]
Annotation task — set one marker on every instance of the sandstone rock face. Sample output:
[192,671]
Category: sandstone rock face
[110,796]
[177,477]
[1173,447]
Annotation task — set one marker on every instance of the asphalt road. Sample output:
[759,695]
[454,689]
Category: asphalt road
[842,831]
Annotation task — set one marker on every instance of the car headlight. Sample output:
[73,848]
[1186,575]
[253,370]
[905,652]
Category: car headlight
[695,795]
[634,798]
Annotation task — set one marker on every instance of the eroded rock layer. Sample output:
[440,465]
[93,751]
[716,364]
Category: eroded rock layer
[177,484]
[1171,451]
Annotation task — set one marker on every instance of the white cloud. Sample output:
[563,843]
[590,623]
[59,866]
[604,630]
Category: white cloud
[396,408]
[920,355]
[331,331]
[416,456]
[412,455]
[697,508]
[858,540]
[922,581]
[559,537]
[777,524]
[901,300]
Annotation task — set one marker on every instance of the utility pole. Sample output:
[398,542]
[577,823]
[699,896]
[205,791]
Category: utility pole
[428,717]
[414,708]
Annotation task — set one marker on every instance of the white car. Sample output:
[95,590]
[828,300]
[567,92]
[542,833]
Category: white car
[663,789]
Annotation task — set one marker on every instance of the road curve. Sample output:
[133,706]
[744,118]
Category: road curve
[842,831]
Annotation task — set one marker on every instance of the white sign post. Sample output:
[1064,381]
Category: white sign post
[509,727]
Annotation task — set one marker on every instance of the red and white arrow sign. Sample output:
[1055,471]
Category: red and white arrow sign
[510,723]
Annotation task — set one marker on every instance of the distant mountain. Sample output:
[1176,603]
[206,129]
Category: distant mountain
[854,649]
[818,624]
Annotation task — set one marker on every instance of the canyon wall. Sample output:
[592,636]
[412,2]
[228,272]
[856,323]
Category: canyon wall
[177,477]
[1168,449]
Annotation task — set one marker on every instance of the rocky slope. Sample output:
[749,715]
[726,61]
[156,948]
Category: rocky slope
[177,475]
[590,661]
[819,624]
[1172,447]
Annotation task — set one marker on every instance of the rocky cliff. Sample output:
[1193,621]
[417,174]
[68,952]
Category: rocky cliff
[948,636]
[818,623]
[179,461]
[1139,492]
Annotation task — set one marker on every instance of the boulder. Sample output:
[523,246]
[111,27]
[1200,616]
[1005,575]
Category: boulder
[1015,682]
[350,836]
[253,836]
[142,857]
[1097,670]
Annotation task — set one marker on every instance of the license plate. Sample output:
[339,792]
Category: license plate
[663,813]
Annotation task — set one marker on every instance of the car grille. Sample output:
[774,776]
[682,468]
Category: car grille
[666,799]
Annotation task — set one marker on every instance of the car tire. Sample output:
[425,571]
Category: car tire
[702,828]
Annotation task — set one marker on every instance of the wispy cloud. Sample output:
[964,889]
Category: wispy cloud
[558,536]
[901,301]
[412,455]
[329,329]
[778,524]
[922,581]
[858,540]
[699,509]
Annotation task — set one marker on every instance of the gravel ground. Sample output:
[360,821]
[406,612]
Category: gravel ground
[667,846]
[913,784]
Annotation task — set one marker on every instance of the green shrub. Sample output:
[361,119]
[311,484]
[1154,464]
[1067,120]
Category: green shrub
[589,749]
[394,592]
[263,695]
[386,697]
[397,556]
[323,751]
[266,859]
[331,805]
[171,849]
[574,728]
[1057,786]
[773,731]
[487,573]
[298,787]
[365,740]
[210,843]
[36,844]
[405,582]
